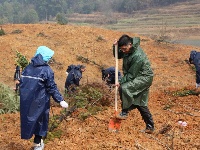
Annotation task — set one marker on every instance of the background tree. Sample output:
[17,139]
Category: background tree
[61,19]
[8,11]
[14,11]
[30,16]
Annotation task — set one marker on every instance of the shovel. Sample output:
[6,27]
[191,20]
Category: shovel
[114,123]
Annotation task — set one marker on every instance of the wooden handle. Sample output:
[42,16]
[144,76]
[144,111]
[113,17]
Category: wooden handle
[116,75]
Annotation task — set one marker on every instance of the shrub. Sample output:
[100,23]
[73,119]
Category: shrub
[2,32]
[90,99]
[9,101]
[61,19]
[100,38]
[17,31]
[21,60]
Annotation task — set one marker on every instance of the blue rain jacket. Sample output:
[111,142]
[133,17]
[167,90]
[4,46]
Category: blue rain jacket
[111,72]
[70,67]
[195,59]
[36,86]
[74,76]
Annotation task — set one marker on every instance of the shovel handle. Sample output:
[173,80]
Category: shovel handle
[116,75]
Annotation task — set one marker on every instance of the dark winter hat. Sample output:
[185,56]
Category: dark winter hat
[82,67]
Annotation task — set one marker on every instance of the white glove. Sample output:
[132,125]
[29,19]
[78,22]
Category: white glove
[197,85]
[63,104]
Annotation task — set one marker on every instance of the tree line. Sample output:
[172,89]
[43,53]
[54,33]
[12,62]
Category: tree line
[32,11]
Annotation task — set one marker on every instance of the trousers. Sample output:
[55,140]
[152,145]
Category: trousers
[144,112]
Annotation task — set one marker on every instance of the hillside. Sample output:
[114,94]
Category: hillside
[178,22]
[70,41]
[171,72]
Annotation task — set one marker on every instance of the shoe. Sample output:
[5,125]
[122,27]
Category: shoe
[39,146]
[122,115]
[148,130]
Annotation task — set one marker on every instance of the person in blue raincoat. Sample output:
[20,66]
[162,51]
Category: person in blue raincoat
[195,60]
[36,86]
[108,75]
[73,78]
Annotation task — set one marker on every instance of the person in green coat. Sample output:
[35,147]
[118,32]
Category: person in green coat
[136,81]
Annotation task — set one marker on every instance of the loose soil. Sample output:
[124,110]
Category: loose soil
[171,74]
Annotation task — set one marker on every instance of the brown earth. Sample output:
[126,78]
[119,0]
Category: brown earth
[172,73]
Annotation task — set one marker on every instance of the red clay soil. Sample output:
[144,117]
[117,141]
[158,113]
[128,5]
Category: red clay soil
[171,71]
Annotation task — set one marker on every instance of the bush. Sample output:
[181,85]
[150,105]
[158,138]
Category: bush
[21,60]
[61,19]
[90,99]
[17,31]
[2,32]
[9,101]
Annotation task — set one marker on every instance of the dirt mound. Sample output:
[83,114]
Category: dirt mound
[70,42]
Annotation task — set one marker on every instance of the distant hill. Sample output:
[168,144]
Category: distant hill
[178,22]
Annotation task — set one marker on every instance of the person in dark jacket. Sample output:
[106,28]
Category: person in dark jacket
[36,86]
[17,77]
[195,59]
[108,75]
[69,68]
[136,81]
[73,78]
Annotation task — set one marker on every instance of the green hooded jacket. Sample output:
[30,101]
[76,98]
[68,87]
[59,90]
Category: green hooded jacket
[138,76]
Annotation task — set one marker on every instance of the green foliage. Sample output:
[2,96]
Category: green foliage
[100,38]
[53,122]
[3,20]
[193,68]
[41,34]
[33,11]
[2,32]
[90,99]
[81,99]
[94,109]
[52,135]
[30,16]
[8,11]
[83,59]
[60,18]
[168,106]
[21,60]
[87,95]
[9,101]
[84,115]
[17,31]
[184,92]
